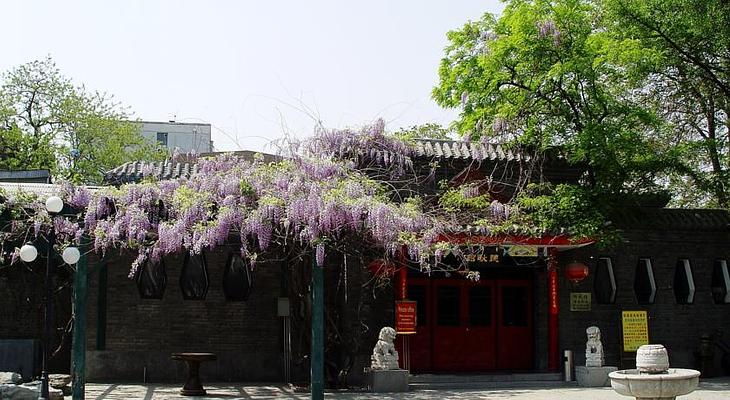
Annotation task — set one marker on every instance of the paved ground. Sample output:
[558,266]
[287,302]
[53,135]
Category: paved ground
[713,389]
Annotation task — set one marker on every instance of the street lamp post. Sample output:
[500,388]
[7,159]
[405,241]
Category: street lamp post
[71,255]
[48,303]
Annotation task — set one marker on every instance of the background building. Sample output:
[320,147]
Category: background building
[184,136]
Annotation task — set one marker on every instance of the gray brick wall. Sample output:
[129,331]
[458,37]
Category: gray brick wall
[141,333]
[676,326]
[21,308]
[247,336]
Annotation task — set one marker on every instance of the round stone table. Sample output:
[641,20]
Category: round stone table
[193,387]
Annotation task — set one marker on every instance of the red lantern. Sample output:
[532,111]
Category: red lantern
[576,272]
[381,267]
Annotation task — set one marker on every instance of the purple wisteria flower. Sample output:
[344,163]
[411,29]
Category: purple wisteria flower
[78,197]
[148,169]
[500,125]
[470,191]
[548,29]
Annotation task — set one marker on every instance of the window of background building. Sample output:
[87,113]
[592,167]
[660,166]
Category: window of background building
[644,284]
[604,282]
[684,283]
[162,138]
[720,282]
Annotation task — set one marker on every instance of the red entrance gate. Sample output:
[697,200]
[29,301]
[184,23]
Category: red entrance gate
[471,326]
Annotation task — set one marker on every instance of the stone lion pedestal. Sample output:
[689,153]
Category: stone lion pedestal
[593,376]
[393,380]
[385,376]
[594,373]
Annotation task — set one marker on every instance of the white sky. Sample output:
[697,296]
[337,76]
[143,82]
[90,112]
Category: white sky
[250,68]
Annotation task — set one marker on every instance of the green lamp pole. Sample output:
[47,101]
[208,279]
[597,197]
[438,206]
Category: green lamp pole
[317,348]
[78,348]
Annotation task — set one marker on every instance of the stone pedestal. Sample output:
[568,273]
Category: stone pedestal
[389,380]
[28,391]
[593,376]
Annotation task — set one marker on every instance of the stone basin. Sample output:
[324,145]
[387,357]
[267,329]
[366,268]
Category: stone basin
[662,386]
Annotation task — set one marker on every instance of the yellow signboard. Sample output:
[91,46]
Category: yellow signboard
[580,301]
[635,329]
[522,251]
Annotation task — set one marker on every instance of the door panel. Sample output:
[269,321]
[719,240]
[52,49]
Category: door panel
[420,343]
[514,327]
[448,328]
[479,338]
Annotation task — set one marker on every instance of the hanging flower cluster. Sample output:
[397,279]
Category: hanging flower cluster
[548,29]
[367,146]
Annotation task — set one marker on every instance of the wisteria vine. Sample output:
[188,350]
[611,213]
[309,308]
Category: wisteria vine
[322,191]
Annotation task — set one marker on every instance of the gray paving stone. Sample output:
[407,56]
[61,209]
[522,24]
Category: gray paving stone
[713,389]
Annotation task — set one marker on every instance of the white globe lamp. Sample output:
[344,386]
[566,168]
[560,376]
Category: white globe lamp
[71,255]
[28,253]
[54,204]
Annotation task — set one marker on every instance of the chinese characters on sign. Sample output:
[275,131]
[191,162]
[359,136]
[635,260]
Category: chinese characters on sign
[481,257]
[405,317]
[635,329]
[553,290]
[580,301]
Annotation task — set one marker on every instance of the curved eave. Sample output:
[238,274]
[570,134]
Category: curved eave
[559,242]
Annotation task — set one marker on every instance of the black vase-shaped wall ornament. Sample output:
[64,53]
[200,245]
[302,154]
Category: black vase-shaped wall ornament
[194,277]
[151,280]
[237,278]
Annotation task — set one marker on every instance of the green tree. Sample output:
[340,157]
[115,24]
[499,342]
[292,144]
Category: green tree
[688,85]
[48,122]
[430,130]
[16,151]
[547,74]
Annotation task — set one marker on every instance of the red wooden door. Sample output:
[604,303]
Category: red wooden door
[480,333]
[514,324]
[449,330]
[471,326]
[419,290]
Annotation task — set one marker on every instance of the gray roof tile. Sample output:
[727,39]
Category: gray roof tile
[424,148]
[452,149]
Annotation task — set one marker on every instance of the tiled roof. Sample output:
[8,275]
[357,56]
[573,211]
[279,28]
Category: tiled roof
[34,175]
[133,171]
[425,148]
[40,189]
[671,219]
[453,149]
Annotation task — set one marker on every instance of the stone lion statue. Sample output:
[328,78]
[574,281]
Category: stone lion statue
[384,354]
[594,347]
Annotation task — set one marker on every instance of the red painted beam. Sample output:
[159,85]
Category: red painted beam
[553,311]
[546,240]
